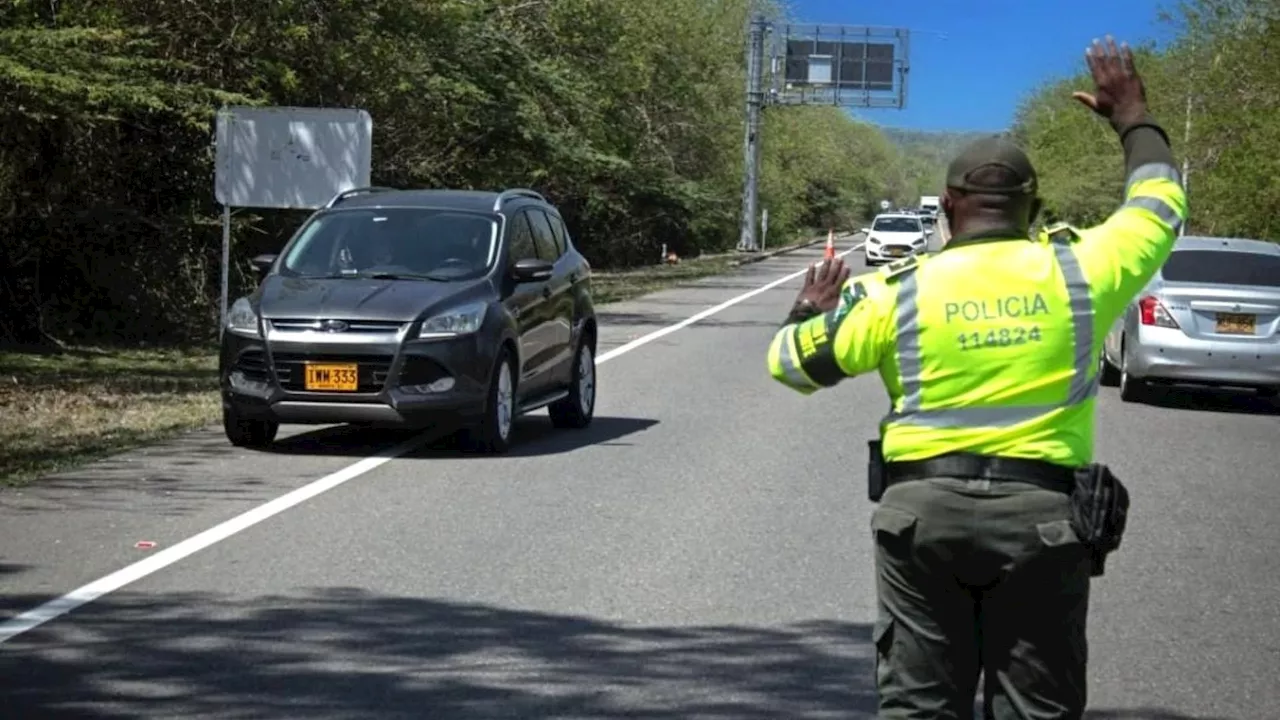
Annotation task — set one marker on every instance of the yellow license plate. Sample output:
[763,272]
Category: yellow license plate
[332,378]
[1236,324]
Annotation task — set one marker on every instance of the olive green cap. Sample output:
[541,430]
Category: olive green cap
[993,151]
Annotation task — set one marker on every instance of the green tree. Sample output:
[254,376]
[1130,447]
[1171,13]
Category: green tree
[627,115]
[1218,77]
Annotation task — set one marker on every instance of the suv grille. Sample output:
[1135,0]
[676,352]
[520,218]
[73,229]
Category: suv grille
[289,325]
[373,369]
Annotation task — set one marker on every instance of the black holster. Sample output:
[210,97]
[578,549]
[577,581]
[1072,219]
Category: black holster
[1099,501]
[876,475]
[1099,511]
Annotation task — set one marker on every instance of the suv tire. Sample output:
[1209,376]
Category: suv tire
[577,410]
[493,433]
[247,432]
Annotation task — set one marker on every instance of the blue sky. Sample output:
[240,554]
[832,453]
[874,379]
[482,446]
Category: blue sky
[960,79]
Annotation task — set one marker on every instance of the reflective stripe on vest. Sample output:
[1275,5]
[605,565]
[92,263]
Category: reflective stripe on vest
[910,365]
[1151,171]
[789,360]
[1154,171]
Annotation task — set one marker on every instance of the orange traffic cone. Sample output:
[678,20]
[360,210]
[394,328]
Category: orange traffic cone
[831,245]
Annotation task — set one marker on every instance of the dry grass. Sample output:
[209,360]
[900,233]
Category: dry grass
[607,287]
[58,411]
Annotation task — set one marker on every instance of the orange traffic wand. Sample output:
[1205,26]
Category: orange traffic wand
[831,245]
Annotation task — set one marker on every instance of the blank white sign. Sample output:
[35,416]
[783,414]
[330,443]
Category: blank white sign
[290,158]
[820,69]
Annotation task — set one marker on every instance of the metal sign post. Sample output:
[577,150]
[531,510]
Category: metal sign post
[226,269]
[751,144]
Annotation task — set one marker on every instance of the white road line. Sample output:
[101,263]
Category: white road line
[703,315]
[86,594]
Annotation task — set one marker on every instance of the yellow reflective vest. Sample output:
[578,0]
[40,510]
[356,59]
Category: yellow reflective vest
[992,347]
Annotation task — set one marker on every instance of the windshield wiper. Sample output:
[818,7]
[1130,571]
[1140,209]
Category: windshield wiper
[396,276]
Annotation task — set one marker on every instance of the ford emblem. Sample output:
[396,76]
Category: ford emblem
[334,326]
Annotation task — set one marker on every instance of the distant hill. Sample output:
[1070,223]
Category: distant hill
[932,146]
[926,154]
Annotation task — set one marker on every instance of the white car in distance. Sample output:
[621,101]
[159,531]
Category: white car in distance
[893,236]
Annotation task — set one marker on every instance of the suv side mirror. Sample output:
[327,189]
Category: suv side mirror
[532,270]
[262,264]
[865,231]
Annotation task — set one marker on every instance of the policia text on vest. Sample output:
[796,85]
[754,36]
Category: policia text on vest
[993,515]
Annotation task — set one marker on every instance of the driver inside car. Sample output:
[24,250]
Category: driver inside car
[381,250]
[464,242]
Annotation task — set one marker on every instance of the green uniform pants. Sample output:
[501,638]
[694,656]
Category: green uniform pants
[976,575]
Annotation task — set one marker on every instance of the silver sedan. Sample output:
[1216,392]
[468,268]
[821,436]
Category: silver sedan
[1210,317]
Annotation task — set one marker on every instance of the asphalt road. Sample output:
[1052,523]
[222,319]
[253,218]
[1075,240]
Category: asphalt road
[702,551]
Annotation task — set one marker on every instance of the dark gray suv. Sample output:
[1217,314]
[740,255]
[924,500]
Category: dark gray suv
[415,308]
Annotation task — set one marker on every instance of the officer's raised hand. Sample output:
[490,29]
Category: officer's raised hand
[1119,95]
[821,291]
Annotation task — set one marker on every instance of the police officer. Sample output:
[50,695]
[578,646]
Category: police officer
[987,350]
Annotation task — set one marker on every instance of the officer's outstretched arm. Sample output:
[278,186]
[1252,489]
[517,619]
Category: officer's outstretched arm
[1121,255]
[847,341]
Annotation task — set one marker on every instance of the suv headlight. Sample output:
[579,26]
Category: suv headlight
[872,239]
[458,321]
[242,320]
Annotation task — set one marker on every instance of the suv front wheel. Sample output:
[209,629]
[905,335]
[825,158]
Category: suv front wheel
[576,410]
[246,432]
[493,433]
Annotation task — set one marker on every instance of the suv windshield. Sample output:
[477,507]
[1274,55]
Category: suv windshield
[897,224]
[397,242]
[1222,267]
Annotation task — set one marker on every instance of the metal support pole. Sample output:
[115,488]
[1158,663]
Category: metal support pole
[751,144]
[226,268]
[905,45]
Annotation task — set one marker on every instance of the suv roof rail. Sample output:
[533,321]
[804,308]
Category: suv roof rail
[357,191]
[513,193]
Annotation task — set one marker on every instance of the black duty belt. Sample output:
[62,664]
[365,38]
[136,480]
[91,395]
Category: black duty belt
[969,466]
